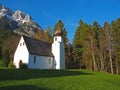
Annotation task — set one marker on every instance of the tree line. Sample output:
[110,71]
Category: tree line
[97,47]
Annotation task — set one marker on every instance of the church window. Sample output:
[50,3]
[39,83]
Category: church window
[55,39]
[34,59]
[48,60]
[23,43]
[20,44]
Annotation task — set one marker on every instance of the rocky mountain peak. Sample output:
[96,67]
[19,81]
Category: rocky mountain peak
[21,17]
[5,11]
[1,7]
[18,21]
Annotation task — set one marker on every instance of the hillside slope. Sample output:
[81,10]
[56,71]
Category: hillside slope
[12,79]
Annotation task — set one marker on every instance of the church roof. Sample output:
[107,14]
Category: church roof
[58,32]
[38,47]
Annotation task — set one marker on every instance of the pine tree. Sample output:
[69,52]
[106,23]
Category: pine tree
[48,35]
[109,37]
[115,26]
[77,44]
[85,45]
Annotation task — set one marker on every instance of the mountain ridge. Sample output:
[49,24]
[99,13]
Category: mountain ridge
[23,23]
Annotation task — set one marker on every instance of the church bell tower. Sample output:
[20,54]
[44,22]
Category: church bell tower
[58,50]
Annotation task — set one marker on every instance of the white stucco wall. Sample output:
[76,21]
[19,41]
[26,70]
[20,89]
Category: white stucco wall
[41,62]
[58,51]
[21,53]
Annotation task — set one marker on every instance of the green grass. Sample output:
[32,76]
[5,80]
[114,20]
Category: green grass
[16,79]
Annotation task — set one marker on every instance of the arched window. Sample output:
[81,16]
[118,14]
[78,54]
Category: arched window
[55,38]
[34,61]
[20,44]
[48,60]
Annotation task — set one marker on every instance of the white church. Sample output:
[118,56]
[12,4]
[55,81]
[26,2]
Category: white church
[39,54]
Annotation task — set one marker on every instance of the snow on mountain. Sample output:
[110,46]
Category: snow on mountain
[26,25]
[21,17]
[5,11]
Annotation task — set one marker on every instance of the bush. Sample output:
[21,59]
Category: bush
[11,65]
[24,66]
[3,63]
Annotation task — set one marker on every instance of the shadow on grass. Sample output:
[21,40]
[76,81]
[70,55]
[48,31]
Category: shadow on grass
[22,87]
[24,74]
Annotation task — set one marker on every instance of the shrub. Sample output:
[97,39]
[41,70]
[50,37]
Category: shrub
[11,65]
[3,63]
[24,66]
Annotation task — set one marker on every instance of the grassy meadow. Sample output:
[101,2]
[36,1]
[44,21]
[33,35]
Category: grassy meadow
[26,79]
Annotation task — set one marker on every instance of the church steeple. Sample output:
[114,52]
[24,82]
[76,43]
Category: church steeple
[58,36]
[58,50]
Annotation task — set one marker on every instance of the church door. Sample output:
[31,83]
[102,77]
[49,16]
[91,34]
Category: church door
[20,63]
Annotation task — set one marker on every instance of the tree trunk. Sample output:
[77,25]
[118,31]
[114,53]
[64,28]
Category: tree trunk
[94,62]
[93,56]
[110,58]
[117,69]
[110,52]
[101,61]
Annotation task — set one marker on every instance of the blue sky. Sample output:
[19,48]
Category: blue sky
[48,12]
